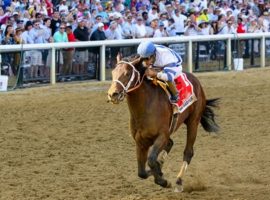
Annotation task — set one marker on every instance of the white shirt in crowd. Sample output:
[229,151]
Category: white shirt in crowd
[139,31]
[179,23]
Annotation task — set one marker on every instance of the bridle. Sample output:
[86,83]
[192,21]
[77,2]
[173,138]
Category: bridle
[127,89]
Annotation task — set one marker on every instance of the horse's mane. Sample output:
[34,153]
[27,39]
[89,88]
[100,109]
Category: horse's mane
[135,59]
[131,58]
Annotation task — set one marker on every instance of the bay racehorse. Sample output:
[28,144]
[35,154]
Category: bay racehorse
[151,114]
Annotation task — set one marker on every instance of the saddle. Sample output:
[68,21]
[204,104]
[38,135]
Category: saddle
[185,89]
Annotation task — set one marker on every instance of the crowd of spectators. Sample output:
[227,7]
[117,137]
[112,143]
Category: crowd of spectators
[46,21]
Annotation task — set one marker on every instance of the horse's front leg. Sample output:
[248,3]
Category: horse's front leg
[142,152]
[153,162]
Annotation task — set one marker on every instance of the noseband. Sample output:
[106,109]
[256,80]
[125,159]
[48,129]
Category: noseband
[132,78]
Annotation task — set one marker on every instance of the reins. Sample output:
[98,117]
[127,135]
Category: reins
[138,82]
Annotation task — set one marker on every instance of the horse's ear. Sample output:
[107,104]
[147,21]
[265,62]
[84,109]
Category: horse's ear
[139,59]
[119,57]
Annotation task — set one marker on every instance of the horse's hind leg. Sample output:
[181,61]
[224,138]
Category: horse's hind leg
[163,154]
[188,154]
[153,163]
[142,153]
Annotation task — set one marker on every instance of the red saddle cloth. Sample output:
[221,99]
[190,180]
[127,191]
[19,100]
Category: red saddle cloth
[186,93]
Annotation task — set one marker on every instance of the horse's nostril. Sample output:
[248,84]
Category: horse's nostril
[115,94]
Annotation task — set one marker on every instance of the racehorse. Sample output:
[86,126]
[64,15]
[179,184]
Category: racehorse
[151,115]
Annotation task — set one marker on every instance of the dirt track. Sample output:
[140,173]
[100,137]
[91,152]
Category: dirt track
[65,142]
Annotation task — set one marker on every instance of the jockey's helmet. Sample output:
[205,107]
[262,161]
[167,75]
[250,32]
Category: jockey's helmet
[146,49]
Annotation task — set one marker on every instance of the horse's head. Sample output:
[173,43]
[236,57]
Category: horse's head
[125,77]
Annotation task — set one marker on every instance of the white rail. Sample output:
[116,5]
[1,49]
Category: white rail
[169,40]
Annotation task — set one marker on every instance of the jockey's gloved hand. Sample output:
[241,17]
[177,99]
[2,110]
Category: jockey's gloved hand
[151,73]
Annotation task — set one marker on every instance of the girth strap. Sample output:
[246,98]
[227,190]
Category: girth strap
[174,119]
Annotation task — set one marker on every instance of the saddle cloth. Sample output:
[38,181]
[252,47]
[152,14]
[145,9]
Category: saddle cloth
[186,93]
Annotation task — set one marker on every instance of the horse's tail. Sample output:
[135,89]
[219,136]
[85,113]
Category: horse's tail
[208,117]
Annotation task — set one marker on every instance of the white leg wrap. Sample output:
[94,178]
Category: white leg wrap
[183,170]
[162,156]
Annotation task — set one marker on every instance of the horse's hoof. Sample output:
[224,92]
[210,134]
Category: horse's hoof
[163,183]
[149,173]
[179,188]
[169,185]
[143,175]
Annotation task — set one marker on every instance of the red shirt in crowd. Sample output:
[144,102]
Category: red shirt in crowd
[240,28]
[71,38]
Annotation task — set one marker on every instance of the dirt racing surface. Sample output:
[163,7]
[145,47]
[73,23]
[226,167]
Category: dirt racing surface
[66,142]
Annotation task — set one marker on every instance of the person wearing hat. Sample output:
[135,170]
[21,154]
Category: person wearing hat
[98,19]
[152,27]
[140,28]
[99,33]
[128,27]
[108,6]
[161,31]
[162,57]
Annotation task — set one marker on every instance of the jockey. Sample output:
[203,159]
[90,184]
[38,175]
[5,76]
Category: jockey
[165,58]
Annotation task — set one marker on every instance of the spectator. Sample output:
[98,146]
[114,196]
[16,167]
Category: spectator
[49,6]
[8,39]
[68,53]
[102,13]
[240,26]
[99,33]
[37,35]
[152,14]
[4,16]
[112,33]
[240,29]
[17,56]
[60,36]
[98,19]
[55,22]
[150,30]
[230,29]
[161,31]
[173,14]
[204,15]
[191,28]
[128,28]
[179,20]
[118,18]
[164,19]
[140,29]
[171,28]
[63,7]
[254,28]
[42,9]
[81,33]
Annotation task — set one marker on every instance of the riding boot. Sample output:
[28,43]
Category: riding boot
[173,91]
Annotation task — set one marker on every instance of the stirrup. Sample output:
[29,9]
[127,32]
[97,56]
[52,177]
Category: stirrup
[174,98]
